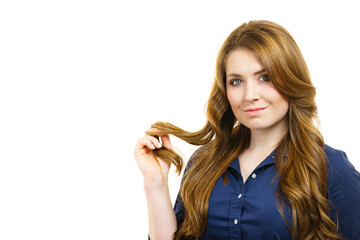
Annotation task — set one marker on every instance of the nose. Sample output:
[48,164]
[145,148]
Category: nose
[251,92]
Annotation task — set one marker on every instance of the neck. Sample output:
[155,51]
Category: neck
[267,139]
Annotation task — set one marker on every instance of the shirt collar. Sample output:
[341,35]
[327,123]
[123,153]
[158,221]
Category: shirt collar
[269,160]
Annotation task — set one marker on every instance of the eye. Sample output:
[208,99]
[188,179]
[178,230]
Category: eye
[235,82]
[264,78]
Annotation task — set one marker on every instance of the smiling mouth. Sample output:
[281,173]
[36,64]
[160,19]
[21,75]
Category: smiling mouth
[254,111]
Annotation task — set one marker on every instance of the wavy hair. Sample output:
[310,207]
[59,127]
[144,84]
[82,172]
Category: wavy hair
[302,177]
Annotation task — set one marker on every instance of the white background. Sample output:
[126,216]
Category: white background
[82,80]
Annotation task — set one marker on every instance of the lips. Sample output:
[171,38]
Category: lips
[254,111]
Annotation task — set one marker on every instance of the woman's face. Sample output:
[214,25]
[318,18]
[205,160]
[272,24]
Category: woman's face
[254,100]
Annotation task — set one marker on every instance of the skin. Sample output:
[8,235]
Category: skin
[248,87]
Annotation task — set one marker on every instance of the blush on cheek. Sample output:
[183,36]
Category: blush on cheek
[231,98]
[277,93]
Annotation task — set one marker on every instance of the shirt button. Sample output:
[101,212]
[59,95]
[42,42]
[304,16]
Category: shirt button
[253,175]
[235,221]
[239,196]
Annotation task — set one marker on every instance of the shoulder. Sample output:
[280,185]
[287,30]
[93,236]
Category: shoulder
[337,158]
[330,151]
[338,161]
[342,175]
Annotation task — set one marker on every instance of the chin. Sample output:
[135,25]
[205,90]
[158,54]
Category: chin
[258,126]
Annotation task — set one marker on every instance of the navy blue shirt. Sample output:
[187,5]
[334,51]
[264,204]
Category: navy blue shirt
[249,212]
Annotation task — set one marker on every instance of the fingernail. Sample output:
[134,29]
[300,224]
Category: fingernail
[159,145]
[152,146]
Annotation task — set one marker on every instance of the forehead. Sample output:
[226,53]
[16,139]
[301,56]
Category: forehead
[243,61]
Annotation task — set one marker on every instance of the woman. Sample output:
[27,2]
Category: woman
[263,171]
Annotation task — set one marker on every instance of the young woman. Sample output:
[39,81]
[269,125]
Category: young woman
[263,171]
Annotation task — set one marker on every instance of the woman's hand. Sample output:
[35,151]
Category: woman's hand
[151,169]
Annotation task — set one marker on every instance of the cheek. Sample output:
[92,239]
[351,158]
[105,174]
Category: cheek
[282,103]
[273,93]
[233,97]
[278,100]
[284,107]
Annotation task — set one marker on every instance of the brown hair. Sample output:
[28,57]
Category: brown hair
[302,177]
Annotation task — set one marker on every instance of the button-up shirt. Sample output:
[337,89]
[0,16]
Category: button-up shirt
[248,211]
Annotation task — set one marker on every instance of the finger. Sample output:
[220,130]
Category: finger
[155,140]
[166,141]
[144,143]
[156,133]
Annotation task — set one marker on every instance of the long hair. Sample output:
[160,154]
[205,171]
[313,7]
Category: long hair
[302,177]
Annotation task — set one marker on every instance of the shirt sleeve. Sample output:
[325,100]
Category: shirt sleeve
[344,194]
[179,208]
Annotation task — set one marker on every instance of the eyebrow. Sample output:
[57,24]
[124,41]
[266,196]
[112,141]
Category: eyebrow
[239,75]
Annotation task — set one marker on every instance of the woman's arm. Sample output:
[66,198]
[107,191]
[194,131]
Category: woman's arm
[162,220]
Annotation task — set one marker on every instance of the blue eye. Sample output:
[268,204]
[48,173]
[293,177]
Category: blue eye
[264,78]
[236,82]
